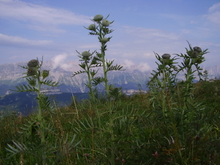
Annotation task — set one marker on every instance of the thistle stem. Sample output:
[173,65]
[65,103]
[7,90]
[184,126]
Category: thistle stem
[40,118]
[89,82]
[105,70]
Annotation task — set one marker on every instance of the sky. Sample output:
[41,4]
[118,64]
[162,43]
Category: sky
[54,30]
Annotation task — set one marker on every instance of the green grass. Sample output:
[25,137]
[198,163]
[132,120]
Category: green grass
[126,131]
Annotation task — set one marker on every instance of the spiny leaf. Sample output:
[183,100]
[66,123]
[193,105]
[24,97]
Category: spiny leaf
[109,63]
[93,72]
[24,67]
[50,83]
[98,80]
[44,102]
[116,67]
[82,65]
[25,88]
[96,65]
[78,72]
[92,33]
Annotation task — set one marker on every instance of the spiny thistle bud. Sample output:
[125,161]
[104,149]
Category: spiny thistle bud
[86,54]
[33,63]
[32,71]
[104,40]
[45,73]
[197,49]
[194,54]
[92,27]
[98,18]
[166,56]
[105,22]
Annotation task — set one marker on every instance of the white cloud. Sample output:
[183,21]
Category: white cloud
[128,64]
[214,7]
[144,67]
[59,60]
[214,14]
[40,15]
[65,62]
[22,42]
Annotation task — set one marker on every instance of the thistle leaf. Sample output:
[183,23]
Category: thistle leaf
[78,72]
[50,83]
[116,67]
[98,80]
[25,88]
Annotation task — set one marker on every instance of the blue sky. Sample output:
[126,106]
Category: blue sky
[54,29]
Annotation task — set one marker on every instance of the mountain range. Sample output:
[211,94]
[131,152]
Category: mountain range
[11,76]
[130,79]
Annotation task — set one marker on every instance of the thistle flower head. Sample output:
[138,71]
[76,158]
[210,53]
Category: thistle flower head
[31,71]
[86,54]
[197,49]
[33,63]
[98,18]
[194,54]
[92,27]
[166,56]
[104,40]
[45,73]
[105,22]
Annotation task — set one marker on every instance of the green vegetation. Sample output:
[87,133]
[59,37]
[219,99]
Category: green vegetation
[176,122]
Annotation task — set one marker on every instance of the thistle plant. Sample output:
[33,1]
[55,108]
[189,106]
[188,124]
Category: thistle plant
[163,80]
[165,77]
[88,63]
[100,28]
[192,60]
[35,78]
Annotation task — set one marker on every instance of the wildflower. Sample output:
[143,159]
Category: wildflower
[86,154]
[31,71]
[98,18]
[194,54]
[86,54]
[33,63]
[104,40]
[105,22]
[92,27]
[197,49]
[117,159]
[45,73]
[166,56]
[123,161]
[156,155]
[166,59]
[170,160]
